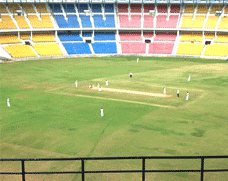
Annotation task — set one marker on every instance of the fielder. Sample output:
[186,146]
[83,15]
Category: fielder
[164,90]
[106,82]
[131,74]
[8,103]
[76,84]
[187,96]
[178,93]
[137,60]
[189,77]
[102,112]
[98,85]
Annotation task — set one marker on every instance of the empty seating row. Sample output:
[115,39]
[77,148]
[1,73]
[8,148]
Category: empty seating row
[133,47]
[133,22]
[211,22]
[160,48]
[47,49]
[216,50]
[223,23]
[100,22]
[7,23]
[22,23]
[70,22]
[44,22]
[69,36]
[130,36]
[197,37]
[221,39]
[101,36]
[43,37]
[165,36]
[86,23]
[6,39]
[104,47]
[202,8]
[170,23]
[196,23]
[77,48]
[190,48]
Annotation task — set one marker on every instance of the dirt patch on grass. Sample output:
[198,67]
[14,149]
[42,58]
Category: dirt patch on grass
[134,92]
[220,67]
[36,87]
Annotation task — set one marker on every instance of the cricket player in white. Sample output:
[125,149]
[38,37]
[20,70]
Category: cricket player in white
[189,77]
[178,93]
[137,60]
[131,74]
[8,103]
[102,112]
[76,84]
[98,85]
[106,82]
[187,96]
[164,90]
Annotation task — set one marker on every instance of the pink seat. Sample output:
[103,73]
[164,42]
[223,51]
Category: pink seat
[161,48]
[148,21]
[163,23]
[162,8]
[148,7]
[130,36]
[134,22]
[135,8]
[148,34]
[122,8]
[175,8]
[165,36]
[133,47]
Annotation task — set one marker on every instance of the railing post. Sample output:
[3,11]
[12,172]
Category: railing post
[202,168]
[23,169]
[143,169]
[83,176]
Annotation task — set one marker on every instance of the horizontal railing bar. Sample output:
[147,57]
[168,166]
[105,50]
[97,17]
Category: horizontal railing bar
[114,171]
[112,158]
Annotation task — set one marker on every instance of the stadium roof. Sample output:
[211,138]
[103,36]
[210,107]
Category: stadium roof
[120,1]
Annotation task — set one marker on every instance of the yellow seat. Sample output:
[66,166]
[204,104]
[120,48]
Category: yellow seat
[226,10]
[2,9]
[22,22]
[215,8]
[209,36]
[28,8]
[4,39]
[13,8]
[41,8]
[223,23]
[221,39]
[197,23]
[7,23]
[45,21]
[202,8]
[211,22]
[20,51]
[46,37]
[191,37]
[216,50]
[25,36]
[190,48]
[47,49]
[189,8]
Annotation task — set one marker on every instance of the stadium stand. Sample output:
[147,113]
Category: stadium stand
[189,8]
[56,8]
[69,8]
[28,8]
[20,51]
[136,8]
[148,34]
[25,36]
[191,36]
[211,22]
[165,36]
[122,8]
[163,23]
[6,39]
[104,47]
[162,8]
[101,36]
[22,23]
[7,23]
[214,8]
[134,22]
[82,7]
[96,8]
[209,35]
[148,7]
[72,21]
[41,8]
[175,8]
[223,23]
[221,39]
[133,47]
[202,8]
[109,8]
[197,23]
[43,37]
[77,48]
[190,48]
[44,23]
[99,22]
[3,9]
[13,7]
[87,34]
[86,23]
[216,50]
[226,10]
[69,36]
[148,21]
[130,36]
[160,48]
[47,49]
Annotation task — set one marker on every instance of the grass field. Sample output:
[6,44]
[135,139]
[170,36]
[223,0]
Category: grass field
[49,117]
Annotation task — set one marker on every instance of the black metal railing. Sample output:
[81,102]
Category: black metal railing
[23,173]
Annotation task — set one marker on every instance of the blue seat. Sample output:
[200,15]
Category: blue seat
[69,8]
[86,23]
[57,8]
[109,8]
[100,23]
[69,36]
[87,34]
[77,48]
[100,36]
[104,47]
[82,7]
[96,8]
[72,21]
[110,21]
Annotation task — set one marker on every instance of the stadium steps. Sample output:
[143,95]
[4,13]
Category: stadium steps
[14,21]
[204,48]
[35,51]
[4,54]
[176,45]
[219,20]
[91,48]
[206,19]
[147,48]
[118,44]
[61,45]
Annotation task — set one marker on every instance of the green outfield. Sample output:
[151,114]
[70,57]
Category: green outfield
[49,117]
